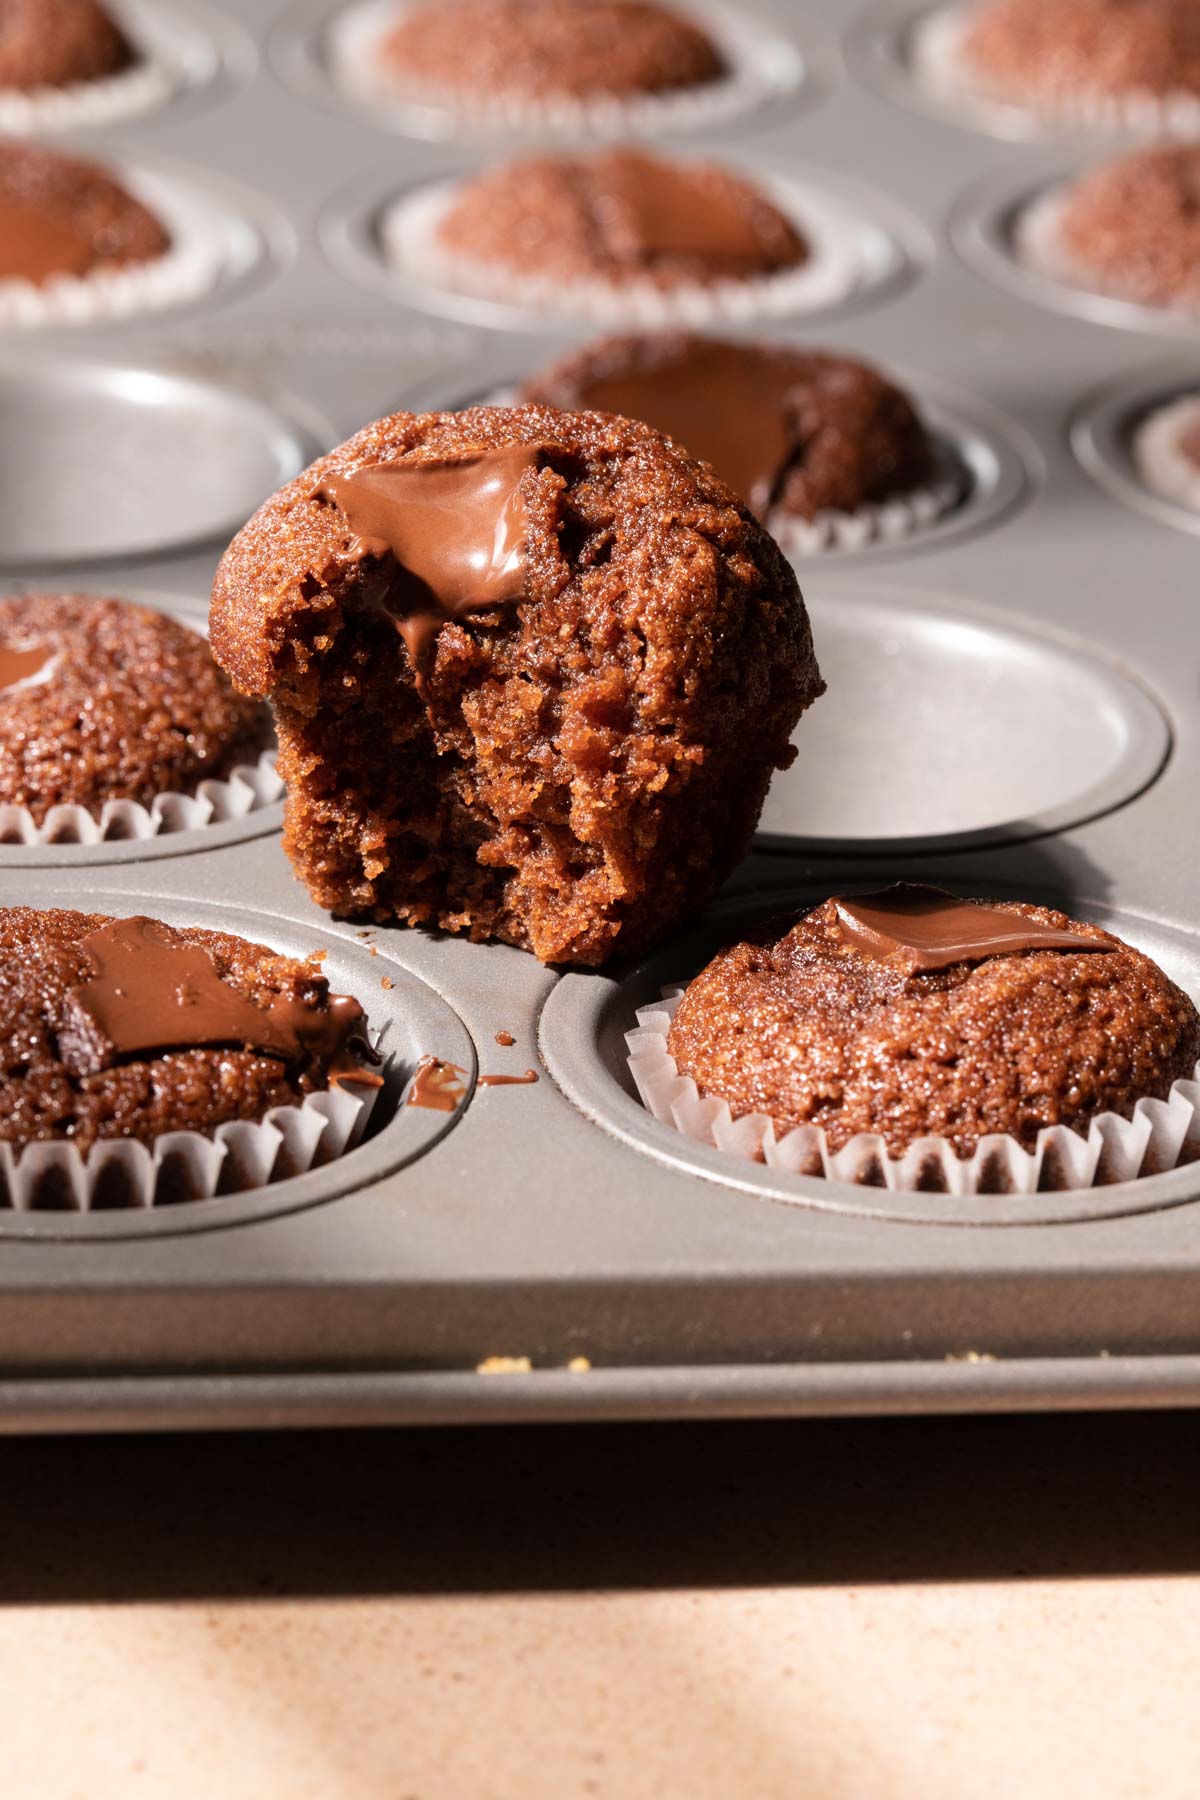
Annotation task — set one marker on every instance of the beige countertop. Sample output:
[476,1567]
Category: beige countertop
[949,1608]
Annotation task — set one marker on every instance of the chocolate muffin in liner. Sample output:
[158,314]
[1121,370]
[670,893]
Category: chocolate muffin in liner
[410,238]
[1157,1134]
[1039,245]
[204,244]
[56,1174]
[756,67]
[937,59]
[1166,451]
[248,788]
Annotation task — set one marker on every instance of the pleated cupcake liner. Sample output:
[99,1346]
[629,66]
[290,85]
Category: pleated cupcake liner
[1038,245]
[206,246]
[760,68]
[409,239]
[121,1174]
[248,788]
[1158,458]
[87,103]
[1160,1134]
[938,60]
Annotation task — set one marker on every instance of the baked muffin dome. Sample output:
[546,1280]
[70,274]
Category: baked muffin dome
[531,672]
[1046,50]
[104,700]
[792,431]
[56,43]
[1134,225]
[620,216]
[544,49]
[128,1028]
[912,1014]
[62,216]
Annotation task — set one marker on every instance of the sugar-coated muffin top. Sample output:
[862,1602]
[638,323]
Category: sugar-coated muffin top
[1135,222]
[911,1014]
[621,216]
[129,1028]
[56,43]
[542,49]
[104,700]
[792,430]
[1043,49]
[60,216]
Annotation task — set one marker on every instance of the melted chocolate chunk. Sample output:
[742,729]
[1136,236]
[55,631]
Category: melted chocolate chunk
[21,666]
[456,530]
[668,216]
[152,991]
[923,928]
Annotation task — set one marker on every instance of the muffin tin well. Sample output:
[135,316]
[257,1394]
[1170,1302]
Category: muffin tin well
[109,458]
[582,1037]
[984,226]
[321,48]
[407,1019]
[955,727]
[1103,430]
[866,249]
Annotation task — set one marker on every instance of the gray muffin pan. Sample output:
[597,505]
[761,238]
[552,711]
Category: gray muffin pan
[1012,710]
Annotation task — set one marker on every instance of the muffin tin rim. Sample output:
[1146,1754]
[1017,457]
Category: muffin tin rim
[596,1005]
[295,54]
[347,226]
[405,1136]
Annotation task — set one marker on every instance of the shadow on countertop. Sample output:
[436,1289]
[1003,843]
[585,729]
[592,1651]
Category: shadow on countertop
[553,1509]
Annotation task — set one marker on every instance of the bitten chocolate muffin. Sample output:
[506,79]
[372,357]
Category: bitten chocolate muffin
[1048,50]
[531,672]
[620,217]
[103,700]
[1134,225]
[911,1013]
[792,431]
[543,49]
[127,1028]
[56,43]
[62,216]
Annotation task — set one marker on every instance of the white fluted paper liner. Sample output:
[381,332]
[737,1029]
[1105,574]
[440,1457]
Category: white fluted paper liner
[1115,1148]
[246,789]
[120,1173]
[760,67]
[1158,458]
[937,58]
[1038,245]
[409,239]
[207,245]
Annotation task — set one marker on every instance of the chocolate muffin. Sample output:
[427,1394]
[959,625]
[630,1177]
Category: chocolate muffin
[128,1028]
[103,700]
[620,217]
[910,1013]
[62,216]
[547,49]
[1132,226]
[57,43]
[794,432]
[531,673]
[1039,51]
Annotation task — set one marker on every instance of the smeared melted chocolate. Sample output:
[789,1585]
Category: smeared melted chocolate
[153,991]
[21,667]
[438,1086]
[35,245]
[921,928]
[455,530]
[525,1080]
[670,216]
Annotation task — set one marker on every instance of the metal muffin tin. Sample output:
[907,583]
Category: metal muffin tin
[1042,738]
